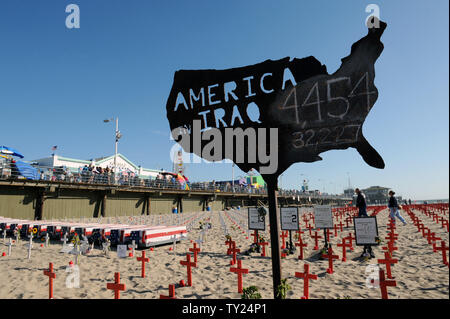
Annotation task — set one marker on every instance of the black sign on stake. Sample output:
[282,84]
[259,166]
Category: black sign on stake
[272,114]
[289,221]
[257,221]
[323,218]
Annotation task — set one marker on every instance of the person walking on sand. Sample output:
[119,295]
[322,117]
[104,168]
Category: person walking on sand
[394,208]
[361,204]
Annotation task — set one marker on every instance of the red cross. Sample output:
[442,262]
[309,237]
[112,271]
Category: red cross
[301,244]
[432,238]
[388,261]
[299,232]
[427,234]
[309,227]
[391,226]
[305,219]
[341,226]
[350,239]
[189,266]
[239,271]
[384,284]
[116,286]
[229,242]
[195,250]
[143,260]
[171,293]
[347,220]
[330,257]
[234,251]
[435,217]
[327,232]
[51,275]
[445,224]
[420,227]
[444,249]
[283,237]
[390,247]
[392,236]
[255,236]
[344,245]
[306,276]
[263,244]
[316,240]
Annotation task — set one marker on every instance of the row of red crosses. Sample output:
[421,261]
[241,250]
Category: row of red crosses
[437,212]
[241,228]
[347,242]
[429,236]
[117,286]
[341,214]
[388,260]
[239,270]
[189,264]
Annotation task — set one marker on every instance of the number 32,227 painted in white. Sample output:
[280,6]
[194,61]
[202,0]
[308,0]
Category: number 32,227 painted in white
[328,135]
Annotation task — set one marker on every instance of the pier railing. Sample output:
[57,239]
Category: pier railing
[130,179]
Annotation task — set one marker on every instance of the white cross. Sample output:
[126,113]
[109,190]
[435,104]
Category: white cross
[17,234]
[203,233]
[76,251]
[47,238]
[64,239]
[9,246]
[174,243]
[84,245]
[133,246]
[105,246]
[30,245]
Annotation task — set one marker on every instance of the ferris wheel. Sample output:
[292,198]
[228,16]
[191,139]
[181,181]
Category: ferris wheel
[178,164]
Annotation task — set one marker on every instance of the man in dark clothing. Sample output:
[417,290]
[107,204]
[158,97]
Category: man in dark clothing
[361,204]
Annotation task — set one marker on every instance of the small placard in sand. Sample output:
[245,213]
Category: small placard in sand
[289,218]
[366,230]
[256,221]
[323,217]
[122,251]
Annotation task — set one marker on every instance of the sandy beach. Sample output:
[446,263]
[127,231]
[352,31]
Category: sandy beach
[419,272]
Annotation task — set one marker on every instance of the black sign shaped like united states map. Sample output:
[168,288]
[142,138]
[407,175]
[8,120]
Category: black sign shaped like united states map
[313,111]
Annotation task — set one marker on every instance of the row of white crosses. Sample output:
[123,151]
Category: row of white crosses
[222,224]
[243,215]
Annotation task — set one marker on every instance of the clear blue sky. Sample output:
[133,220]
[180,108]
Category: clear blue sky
[57,85]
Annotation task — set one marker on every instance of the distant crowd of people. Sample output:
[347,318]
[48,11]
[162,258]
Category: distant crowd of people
[89,174]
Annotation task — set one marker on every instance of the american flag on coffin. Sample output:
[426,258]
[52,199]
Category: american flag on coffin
[143,235]
[11,224]
[158,235]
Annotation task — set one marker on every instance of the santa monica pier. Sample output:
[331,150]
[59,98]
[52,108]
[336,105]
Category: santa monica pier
[60,187]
